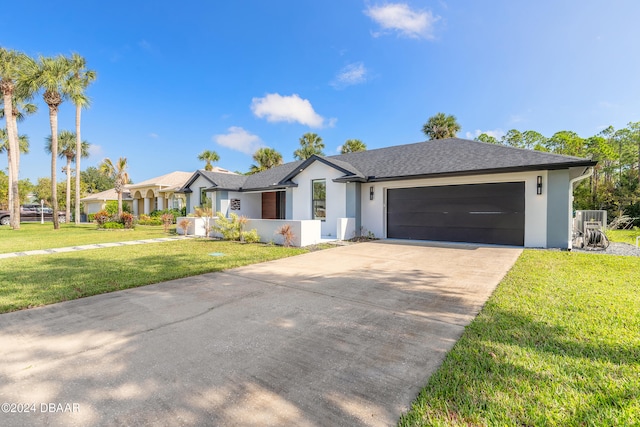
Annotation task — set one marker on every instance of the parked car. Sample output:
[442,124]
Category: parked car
[33,212]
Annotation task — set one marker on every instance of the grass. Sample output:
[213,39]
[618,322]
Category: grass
[45,279]
[558,344]
[624,236]
[32,236]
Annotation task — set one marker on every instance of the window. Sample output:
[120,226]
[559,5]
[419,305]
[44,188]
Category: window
[203,196]
[319,199]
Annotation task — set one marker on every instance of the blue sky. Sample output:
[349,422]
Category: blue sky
[176,78]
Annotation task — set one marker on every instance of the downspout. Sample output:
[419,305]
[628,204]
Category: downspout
[572,182]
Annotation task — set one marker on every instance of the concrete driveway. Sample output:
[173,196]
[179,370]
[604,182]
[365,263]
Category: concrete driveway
[345,336]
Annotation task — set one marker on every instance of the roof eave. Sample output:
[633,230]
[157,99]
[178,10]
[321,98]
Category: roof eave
[279,186]
[352,178]
[553,166]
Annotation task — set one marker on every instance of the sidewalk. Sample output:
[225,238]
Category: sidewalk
[92,246]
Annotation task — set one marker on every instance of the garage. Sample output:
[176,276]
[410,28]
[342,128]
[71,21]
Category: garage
[476,213]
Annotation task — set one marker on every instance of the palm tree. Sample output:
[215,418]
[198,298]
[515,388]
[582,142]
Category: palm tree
[208,156]
[51,76]
[20,110]
[117,172]
[12,70]
[352,146]
[266,158]
[23,144]
[441,126]
[310,144]
[79,80]
[67,150]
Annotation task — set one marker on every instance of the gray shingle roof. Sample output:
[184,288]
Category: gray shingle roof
[453,156]
[271,177]
[224,181]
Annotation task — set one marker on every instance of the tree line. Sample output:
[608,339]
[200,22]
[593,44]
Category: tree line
[57,79]
[615,183]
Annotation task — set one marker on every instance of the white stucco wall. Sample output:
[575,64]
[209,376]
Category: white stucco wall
[194,198]
[250,204]
[336,196]
[91,207]
[305,232]
[535,229]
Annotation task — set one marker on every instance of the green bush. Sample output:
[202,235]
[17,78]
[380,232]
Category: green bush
[174,212]
[228,227]
[232,228]
[111,225]
[251,236]
[112,207]
[91,217]
[151,221]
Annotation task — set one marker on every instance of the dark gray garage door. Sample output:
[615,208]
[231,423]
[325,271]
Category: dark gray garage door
[479,213]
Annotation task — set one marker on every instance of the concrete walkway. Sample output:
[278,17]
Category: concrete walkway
[339,337]
[87,247]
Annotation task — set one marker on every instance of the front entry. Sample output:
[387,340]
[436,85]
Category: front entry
[274,205]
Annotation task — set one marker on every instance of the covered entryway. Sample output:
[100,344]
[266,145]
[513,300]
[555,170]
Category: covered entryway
[274,205]
[479,213]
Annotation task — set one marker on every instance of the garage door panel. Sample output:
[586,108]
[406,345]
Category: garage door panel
[415,201]
[481,213]
[462,234]
[435,219]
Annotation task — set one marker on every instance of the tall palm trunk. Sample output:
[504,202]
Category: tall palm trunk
[119,188]
[50,99]
[78,156]
[13,152]
[68,206]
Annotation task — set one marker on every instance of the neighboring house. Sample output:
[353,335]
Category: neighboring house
[158,193]
[443,190]
[144,197]
[96,202]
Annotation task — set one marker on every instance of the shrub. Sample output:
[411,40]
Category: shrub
[228,227]
[127,220]
[91,217]
[112,208]
[287,235]
[150,221]
[184,224]
[250,236]
[232,228]
[112,225]
[175,213]
[101,217]
[167,220]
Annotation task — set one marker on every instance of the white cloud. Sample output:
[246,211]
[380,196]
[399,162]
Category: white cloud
[402,19]
[153,135]
[496,133]
[95,151]
[239,139]
[351,74]
[277,108]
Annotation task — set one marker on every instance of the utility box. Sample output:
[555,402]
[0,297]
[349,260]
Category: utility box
[582,217]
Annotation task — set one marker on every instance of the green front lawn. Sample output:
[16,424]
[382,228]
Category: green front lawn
[45,279]
[32,236]
[558,344]
[625,236]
